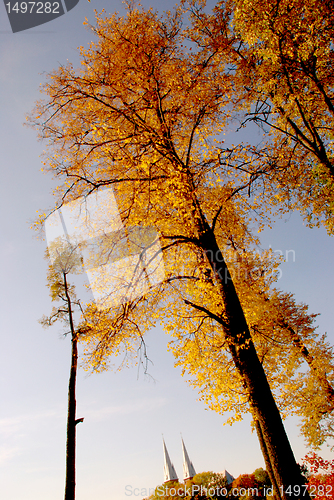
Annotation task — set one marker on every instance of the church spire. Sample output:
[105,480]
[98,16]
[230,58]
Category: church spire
[188,468]
[169,471]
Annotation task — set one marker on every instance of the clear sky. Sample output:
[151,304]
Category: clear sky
[119,444]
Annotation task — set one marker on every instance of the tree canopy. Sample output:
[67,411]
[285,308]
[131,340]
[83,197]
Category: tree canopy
[283,61]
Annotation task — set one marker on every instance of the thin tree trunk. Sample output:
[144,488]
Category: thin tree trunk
[71,423]
[318,373]
[266,457]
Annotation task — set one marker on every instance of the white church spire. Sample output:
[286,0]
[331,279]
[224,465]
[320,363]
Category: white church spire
[228,476]
[188,468]
[169,471]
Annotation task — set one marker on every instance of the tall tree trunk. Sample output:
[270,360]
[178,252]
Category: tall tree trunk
[71,422]
[71,427]
[283,463]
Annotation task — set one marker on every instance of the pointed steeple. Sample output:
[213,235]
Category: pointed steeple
[169,471]
[228,476]
[188,468]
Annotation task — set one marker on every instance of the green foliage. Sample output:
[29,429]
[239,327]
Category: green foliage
[203,486]
[262,477]
[212,483]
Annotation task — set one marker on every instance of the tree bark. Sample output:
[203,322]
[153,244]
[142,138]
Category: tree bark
[266,457]
[71,422]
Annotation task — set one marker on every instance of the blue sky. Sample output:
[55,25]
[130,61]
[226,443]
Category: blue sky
[119,443]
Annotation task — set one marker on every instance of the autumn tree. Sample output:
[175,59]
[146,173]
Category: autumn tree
[298,362]
[245,487]
[294,96]
[141,116]
[65,260]
[283,60]
[313,388]
[320,476]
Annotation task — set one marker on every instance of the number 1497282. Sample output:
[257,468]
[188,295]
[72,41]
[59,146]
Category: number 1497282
[33,7]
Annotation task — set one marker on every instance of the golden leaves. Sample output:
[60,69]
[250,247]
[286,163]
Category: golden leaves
[144,115]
